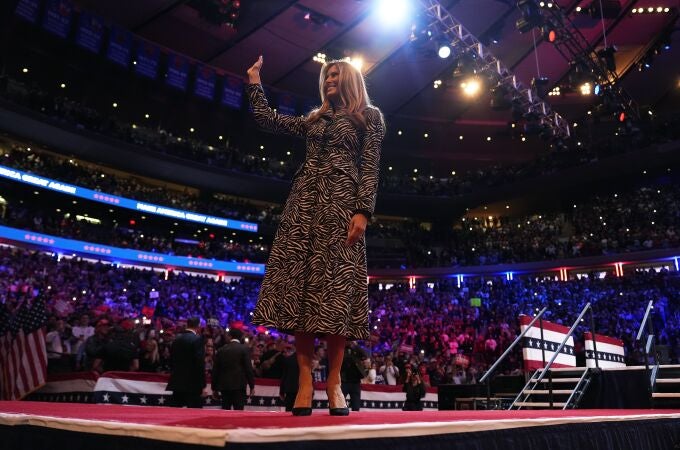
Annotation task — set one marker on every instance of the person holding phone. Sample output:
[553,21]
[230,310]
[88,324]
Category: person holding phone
[415,390]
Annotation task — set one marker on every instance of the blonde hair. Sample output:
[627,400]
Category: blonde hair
[352,91]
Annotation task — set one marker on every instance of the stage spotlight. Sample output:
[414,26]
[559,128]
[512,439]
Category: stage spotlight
[444,51]
[610,9]
[597,90]
[550,33]
[471,86]
[499,100]
[586,89]
[607,55]
[579,73]
[420,29]
[393,11]
[531,16]
[541,85]
[357,62]
[464,66]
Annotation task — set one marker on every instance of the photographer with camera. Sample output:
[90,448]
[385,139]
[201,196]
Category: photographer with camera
[415,390]
[353,370]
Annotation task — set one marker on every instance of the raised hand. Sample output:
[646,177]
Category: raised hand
[254,71]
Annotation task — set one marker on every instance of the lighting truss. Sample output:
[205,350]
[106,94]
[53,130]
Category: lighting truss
[524,98]
[576,49]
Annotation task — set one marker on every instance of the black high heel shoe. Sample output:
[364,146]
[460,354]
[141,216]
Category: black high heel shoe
[302,411]
[336,411]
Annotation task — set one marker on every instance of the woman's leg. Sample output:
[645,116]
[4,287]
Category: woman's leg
[304,348]
[336,352]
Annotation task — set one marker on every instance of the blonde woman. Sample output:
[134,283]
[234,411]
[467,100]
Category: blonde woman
[315,283]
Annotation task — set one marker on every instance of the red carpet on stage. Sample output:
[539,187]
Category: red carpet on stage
[217,428]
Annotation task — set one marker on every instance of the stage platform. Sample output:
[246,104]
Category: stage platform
[69,426]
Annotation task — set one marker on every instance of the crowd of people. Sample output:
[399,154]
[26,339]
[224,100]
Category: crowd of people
[18,156]
[104,317]
[402,180]
[151,238]
[644,218]
[639,219]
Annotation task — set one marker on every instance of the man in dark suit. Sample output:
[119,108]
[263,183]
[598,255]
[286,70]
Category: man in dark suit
[232,371]
[289,380]
[187,367]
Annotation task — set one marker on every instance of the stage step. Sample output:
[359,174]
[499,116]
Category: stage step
[570,390]
[667,380]
[540,404]
[666,395]
[568,369]
[561,380]
[547,391]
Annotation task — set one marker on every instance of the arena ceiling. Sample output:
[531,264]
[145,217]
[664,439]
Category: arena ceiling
[400,77]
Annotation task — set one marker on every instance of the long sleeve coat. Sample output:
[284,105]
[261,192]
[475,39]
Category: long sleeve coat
[313,281]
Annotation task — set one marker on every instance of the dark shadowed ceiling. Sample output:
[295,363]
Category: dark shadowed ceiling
[401,77]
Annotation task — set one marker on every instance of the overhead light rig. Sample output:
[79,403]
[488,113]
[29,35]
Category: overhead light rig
[597,66]
[524,99]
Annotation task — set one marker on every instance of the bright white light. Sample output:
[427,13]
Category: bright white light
[444,51]
[471,87]
[586,89]
[357,62]
[393,11]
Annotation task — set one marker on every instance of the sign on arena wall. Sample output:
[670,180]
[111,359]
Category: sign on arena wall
[534,348]
[609,351]
[148,389]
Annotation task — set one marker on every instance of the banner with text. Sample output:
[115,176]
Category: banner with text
[120,46]
[90,32]
[57,19]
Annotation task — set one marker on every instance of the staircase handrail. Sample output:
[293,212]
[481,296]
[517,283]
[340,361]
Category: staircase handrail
[509,349]
[564,341]
[650,305]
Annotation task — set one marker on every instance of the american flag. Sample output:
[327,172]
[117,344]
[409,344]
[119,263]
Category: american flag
[23,356]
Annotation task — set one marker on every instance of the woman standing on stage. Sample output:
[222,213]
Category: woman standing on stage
[316,281]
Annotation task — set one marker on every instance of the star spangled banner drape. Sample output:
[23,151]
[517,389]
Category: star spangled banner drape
[23,356]
[534,347]
[148,389]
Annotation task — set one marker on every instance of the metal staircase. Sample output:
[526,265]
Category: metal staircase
[558,388]
[666,391]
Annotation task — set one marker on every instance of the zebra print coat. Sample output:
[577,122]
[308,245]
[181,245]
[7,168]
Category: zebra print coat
[313,281]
